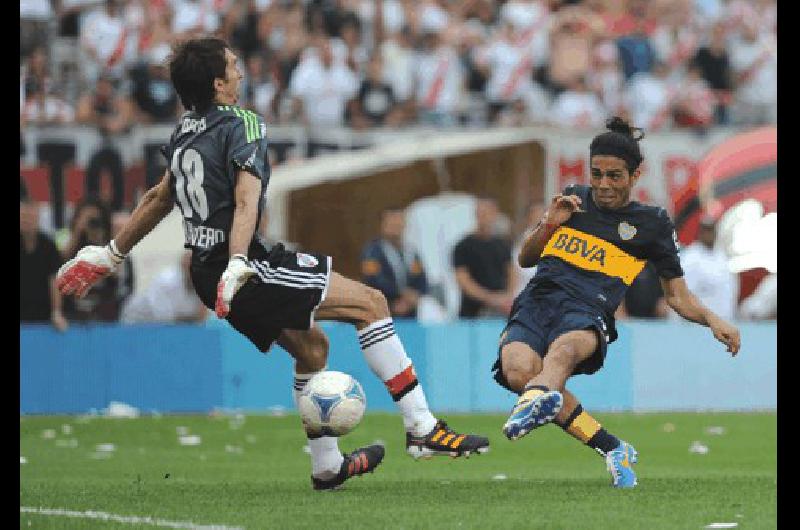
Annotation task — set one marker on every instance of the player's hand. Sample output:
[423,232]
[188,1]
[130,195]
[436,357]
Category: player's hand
[90,265]
[58,320]
[561,209]
[727,334]
[235,275]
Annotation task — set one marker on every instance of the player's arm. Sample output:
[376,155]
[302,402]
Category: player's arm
[686,304]
[247,193]
[93,263]
[154,206]
[561,209]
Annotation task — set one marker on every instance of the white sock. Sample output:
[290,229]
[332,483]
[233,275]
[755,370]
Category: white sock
[326,458]
[387,359]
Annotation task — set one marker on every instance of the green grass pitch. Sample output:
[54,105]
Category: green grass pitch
[254,474]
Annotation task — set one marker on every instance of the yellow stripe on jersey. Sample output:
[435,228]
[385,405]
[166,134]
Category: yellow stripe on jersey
[593,254]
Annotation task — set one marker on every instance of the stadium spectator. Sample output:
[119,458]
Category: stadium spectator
[349,47]
[112,114]
[259,86]
[107,41]
[648,98]
[392,268]
[676,37]
[321,87]
[707,274]
[577,107]
[46,106]
[399,59]
[695,103]
[644,298]
[635,50]
[439,77]
[762,304]
[91,225]
[152,92]
[754,60]
[714,62]
[34,21]
[191,18]
[375,104]
[484,271]
[572,38]
[508,68]
[169,298]
[35,75]
[39,260]
[605,76]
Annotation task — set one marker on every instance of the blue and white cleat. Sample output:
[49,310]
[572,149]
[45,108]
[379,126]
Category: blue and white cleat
[533,409]
[619,463]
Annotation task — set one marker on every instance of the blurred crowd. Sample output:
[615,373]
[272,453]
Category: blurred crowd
[388,63]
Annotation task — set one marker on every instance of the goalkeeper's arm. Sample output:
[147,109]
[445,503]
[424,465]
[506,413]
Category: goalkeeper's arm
[93,263]
[154,206]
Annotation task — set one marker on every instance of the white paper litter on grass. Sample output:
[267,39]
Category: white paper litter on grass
[190,439]
[71,443]
[105,448]
[500,476]
[234,449]
[181,430]
[117,409]
[66,429]
[722,525]
[698,448]
[716,430]
[668,427]
[49,434]
[23,460]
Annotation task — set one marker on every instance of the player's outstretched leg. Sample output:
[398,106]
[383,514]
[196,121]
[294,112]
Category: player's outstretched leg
[329,467]
[619,455]
[541,399]
[366,308]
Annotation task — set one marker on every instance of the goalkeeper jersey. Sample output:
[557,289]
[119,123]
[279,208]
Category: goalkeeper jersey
[204,155]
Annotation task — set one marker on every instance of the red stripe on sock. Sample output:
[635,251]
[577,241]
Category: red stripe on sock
[399,382]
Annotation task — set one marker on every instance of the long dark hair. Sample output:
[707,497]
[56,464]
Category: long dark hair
[194,65]
[621,141]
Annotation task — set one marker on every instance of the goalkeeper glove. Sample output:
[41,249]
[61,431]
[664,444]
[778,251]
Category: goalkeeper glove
[235,275]
[90,265]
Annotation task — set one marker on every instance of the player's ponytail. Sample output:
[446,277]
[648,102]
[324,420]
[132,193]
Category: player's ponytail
[622,141]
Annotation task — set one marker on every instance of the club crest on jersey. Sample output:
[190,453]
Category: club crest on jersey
[626,231]
[305,260]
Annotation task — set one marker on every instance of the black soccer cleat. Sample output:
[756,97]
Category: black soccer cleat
[444,441]
[360,461]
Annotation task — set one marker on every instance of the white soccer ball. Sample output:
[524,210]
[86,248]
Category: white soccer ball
[332,404]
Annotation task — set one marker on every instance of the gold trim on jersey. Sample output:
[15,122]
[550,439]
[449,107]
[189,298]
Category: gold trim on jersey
[591,253]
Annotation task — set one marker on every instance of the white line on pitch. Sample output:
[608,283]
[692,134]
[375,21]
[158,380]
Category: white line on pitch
[103,516]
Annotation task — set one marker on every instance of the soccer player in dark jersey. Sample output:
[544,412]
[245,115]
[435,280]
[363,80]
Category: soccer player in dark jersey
[591,244]
[218,174]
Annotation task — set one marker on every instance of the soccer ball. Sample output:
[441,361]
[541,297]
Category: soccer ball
[332,404]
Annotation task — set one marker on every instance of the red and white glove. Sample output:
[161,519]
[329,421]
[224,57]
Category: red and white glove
[90,265]
[236,274]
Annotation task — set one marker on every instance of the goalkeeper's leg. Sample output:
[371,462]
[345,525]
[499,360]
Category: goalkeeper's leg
[329,467]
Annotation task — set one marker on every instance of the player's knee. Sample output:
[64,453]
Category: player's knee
[519,366]
[517,377]
[376,305]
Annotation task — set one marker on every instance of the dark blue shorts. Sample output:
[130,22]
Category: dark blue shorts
[541,315]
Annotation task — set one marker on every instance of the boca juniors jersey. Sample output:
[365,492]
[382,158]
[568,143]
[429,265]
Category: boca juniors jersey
[204,154]
[596,255]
